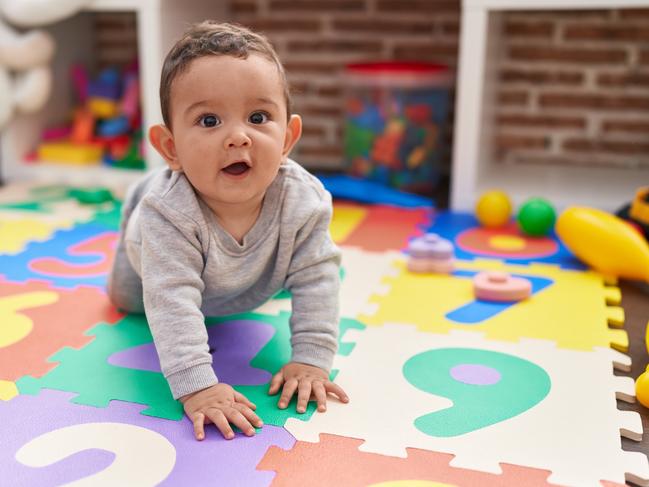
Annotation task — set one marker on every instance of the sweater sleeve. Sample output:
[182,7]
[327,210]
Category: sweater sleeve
[314,282]
[171,270]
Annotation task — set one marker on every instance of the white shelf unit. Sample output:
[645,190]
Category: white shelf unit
[159,24]
[473,170]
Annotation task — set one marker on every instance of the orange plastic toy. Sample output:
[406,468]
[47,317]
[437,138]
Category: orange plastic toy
[500,286]
[83,127]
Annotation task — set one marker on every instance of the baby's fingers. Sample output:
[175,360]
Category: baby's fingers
[287,393]
[276,383]
[320,395]
[303,395]
[221,422]
[240,421]
[243,400]
[249,414]
[337,390]
[199,430]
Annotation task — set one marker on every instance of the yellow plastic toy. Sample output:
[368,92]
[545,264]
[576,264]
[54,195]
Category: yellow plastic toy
[642,384]
[70,153]
[493,209]
[103,108]
[605,242]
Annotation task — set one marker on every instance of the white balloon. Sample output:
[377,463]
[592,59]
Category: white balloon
[32,13]
[24,51]
[25,77]
[6,97]
[32,89]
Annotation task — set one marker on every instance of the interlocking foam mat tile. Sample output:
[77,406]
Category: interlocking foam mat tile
[446,390]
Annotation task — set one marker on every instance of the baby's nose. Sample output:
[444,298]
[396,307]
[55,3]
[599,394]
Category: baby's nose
[238,139]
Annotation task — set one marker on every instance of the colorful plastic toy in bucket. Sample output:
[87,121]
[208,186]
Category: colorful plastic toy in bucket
[396,116]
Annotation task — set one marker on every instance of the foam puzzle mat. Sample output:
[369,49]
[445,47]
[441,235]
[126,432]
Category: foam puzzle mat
[445,390]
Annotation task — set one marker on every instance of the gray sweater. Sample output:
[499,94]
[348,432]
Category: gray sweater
[185,266]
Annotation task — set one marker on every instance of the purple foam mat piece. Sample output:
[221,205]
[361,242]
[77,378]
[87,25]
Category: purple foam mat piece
[475,374]
[213,461]
[142,357]
[234,344]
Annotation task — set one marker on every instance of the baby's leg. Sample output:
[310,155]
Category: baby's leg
[124,285]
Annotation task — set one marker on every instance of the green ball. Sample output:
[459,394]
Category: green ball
[536,217]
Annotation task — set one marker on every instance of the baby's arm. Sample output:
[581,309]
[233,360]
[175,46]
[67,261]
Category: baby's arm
[314,282]
[171,264]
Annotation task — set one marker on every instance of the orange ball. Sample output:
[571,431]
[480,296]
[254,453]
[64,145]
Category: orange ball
[493,209]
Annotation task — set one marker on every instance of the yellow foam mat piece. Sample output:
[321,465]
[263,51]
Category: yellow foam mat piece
[16,325]
[613,295]
[15,234]
[572,311]
[344,221]
[615,315]
[8,390]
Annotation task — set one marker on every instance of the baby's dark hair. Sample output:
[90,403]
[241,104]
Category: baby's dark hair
[210,38]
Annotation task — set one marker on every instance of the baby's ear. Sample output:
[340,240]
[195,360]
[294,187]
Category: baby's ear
[163,140]
[293,133]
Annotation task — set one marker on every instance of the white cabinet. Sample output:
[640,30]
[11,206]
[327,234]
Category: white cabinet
[473,170]
[159,24]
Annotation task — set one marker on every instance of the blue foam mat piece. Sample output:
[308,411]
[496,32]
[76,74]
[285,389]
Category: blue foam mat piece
[364,191]
[16,267]
[477,311]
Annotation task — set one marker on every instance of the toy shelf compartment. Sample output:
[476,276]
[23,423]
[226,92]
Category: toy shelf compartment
[474,170]
[158,24]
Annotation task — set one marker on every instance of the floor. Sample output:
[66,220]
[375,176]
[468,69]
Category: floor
[635,301]
[445,389]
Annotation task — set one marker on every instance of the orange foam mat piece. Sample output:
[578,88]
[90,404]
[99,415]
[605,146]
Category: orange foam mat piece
[388,228]
[102,245]
[39,320]
[336,460]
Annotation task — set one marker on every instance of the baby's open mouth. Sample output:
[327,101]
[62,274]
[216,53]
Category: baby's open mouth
[236,168]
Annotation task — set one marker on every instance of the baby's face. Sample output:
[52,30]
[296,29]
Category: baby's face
[229,127]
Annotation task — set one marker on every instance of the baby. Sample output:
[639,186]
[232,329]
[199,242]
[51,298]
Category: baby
[229,223]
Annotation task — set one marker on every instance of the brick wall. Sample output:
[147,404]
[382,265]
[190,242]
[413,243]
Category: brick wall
[574,89]
[573,86]
[115,38]
[315,39]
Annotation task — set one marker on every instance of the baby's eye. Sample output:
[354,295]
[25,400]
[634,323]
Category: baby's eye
[259,117]
[208,121]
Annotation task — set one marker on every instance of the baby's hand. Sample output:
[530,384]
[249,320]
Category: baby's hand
[309,382]
[220,404]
